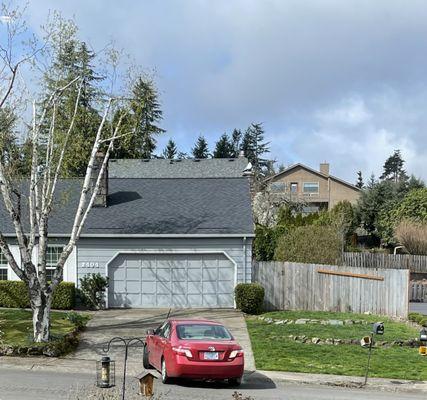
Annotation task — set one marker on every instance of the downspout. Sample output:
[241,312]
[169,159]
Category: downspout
[244,259]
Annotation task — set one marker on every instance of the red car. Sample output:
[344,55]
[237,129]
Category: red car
[195,349]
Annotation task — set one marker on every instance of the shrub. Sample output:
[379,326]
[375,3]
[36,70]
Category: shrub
[266,241]
[92,288]
[14,294]
[310,244]
[79,320]
[249,297]
[412,235]
[416,317]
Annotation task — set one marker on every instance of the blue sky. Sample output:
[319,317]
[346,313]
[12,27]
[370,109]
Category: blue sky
[331,80]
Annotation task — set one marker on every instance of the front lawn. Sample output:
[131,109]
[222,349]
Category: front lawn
[17,327]
[274,350]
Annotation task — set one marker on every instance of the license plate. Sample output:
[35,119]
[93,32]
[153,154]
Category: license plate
[211,355]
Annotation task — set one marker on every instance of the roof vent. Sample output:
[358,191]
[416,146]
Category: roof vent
[178,160]
[231,159]
[196,160]
[146,160]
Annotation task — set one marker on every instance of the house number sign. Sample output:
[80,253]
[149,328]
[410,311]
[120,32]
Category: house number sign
[91,264]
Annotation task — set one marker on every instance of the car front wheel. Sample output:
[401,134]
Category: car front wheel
[165,377]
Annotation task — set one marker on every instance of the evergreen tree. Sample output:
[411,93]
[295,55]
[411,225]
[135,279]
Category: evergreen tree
[200,149]
[170,150]
[182,155]
[143,118]
[393,168]
[254,147]
[236,137]
[359,182]
[73,59]
[223,148]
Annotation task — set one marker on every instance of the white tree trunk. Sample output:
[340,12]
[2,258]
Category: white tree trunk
[41,303]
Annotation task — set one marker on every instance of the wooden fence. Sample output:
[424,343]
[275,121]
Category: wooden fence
[417,264]
[293,286]
[418,291]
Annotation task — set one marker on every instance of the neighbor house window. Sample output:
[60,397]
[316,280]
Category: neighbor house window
[294,187]
[3,267]
[52,257]
[311,187]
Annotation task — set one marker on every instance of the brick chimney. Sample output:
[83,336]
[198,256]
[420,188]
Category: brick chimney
[101,197]
[324,168]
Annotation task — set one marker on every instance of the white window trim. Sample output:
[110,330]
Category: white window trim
[49,246]
[311,183]
[6,267]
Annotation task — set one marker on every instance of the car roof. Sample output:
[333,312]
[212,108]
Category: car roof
[178,321]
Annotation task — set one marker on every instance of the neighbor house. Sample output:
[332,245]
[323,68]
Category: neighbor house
[319,190]
[166,233]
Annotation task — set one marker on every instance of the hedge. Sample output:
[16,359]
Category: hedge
[249,297]
[14,294]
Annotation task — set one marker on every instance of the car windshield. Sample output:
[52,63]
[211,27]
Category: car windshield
[202,331]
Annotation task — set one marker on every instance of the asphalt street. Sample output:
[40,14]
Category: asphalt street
[19,384]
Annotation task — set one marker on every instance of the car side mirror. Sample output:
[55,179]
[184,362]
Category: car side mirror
[150,332]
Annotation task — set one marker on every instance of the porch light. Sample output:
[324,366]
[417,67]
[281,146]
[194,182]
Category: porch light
[105,372]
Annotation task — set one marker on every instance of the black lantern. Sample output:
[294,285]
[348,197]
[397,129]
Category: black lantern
[105,373]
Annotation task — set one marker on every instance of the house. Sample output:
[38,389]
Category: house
[163,238]
[319,190]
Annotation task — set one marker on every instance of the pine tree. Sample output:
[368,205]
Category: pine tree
[236,137]
[73,59]
[170,150]
[143,119]
[200,149]
[393,168]
[359,182]
[254,147]
[223,148]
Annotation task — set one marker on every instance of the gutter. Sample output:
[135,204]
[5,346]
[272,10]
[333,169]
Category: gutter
[150,235]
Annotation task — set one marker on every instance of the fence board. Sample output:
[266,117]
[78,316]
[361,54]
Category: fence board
[294,286]
[415,263]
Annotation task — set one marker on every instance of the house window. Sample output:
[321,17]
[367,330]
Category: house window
[3,267]
[52,256]
[294,187]
[311,187]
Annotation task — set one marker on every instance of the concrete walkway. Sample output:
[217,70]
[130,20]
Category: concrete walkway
[128,323]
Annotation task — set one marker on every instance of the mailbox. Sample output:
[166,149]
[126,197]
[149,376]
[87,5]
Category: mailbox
[423,335]
[378,328]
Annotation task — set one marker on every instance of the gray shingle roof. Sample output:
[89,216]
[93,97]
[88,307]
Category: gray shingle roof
[187,168]
[156,206]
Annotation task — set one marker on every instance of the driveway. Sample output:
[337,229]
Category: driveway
[128,323]
[418,307]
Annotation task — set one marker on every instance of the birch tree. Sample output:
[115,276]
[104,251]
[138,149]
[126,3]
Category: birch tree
[29,201]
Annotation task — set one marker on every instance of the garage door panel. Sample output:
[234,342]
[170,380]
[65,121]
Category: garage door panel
[194,274]
[225,300]
[209,287]
[164,274]
[148,300]
[148,274]
[163,287]
[179,287]
[225,287]
[210,274]
[163,300]
[148,287]
[179,300]
[133,273]
[133,287]
[194,288]
[179,274]
[171,280]
[195,300]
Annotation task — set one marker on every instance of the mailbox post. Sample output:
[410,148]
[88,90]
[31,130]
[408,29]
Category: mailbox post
[377,329]
[423,339]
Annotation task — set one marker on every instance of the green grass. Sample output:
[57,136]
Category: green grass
[17,326]
[273,350]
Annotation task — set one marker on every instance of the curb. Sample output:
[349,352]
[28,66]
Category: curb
[355,382]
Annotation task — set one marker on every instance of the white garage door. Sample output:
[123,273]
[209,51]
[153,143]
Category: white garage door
[171,280]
